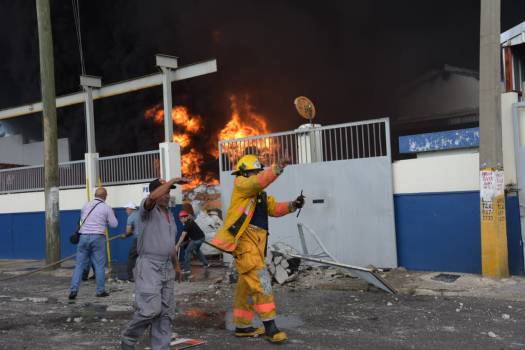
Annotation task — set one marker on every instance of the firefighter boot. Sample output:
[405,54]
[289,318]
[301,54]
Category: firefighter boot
[273,334]
[249,331]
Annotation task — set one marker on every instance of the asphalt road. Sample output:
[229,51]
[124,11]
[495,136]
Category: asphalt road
[35,314]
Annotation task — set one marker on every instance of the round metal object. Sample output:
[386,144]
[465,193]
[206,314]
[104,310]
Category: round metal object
[305,107]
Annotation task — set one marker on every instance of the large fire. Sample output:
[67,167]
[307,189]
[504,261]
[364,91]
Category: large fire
[244,122]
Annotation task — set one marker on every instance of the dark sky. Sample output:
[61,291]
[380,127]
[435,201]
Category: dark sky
[347,56]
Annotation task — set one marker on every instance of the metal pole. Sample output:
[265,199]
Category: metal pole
[494,255]
[166,91]
[90,123]
[47,82]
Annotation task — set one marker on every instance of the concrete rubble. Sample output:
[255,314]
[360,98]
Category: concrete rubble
[322,307]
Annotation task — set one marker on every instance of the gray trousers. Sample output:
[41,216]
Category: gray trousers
[155,301]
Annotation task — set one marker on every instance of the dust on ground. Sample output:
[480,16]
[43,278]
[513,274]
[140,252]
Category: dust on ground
[324,308]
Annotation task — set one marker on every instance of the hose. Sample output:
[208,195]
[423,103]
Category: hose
[38,269]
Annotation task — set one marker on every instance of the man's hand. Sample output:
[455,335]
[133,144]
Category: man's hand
[124,235]
[283,162]
[298,203]
[180,180]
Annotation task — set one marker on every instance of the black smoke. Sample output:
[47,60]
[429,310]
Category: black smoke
[349,57]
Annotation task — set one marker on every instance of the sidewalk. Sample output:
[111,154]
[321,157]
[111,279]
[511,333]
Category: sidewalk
[467,285]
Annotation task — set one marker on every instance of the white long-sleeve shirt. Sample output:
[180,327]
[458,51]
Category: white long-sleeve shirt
[96,222]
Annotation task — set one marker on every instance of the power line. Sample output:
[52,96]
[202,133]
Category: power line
[76,16]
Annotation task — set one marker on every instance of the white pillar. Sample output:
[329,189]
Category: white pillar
[170,166]
[91,167]
[88,83]
[309,144]
[166,92]
[507,130]
[167,64]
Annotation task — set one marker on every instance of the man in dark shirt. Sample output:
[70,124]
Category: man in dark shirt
[196,238]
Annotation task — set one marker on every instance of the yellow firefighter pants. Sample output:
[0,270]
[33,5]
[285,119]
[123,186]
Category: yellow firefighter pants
[254,287]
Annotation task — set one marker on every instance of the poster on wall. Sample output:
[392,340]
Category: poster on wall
[491,186]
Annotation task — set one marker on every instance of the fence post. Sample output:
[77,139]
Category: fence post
[170,165]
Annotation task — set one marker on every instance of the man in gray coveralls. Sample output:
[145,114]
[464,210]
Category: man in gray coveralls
[154,273]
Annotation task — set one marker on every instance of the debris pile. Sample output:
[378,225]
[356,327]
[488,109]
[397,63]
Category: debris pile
[204,198]
[282,269]
[206,206]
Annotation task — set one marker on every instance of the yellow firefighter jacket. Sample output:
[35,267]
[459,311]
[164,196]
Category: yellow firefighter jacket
[242,207]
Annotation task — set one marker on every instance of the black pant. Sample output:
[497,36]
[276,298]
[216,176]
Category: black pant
[132,258]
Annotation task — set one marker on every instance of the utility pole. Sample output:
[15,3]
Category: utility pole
[494,254]
[47,82]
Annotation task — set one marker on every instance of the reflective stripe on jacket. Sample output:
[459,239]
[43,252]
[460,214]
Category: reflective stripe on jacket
[245,190]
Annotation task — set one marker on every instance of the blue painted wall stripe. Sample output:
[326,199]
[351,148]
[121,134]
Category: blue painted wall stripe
[435,232]
[441,232]
[22,235]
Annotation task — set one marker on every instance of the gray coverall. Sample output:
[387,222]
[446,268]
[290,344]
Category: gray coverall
[154,280]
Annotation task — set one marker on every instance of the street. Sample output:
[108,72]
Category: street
[336,312]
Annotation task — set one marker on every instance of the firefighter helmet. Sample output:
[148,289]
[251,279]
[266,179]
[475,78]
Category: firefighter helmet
[247,163]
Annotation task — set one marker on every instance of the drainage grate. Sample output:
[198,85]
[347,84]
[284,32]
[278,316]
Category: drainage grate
[446,277]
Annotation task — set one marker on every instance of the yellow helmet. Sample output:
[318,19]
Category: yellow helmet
[246,163]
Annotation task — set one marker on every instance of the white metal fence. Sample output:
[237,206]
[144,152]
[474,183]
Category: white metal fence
[313,144]
[129,168]
[121,169]
[31,178]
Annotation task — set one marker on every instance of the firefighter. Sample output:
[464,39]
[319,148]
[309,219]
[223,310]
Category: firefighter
[245,234]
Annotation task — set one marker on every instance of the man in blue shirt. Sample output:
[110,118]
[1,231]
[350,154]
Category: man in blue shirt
[131,230]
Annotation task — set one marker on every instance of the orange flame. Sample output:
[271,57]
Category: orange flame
[244,122]
[188,125]
[182,139]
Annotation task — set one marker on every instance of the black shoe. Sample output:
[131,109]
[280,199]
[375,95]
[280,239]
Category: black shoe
[103,295]
[72,296]
[249,332]
[272,333]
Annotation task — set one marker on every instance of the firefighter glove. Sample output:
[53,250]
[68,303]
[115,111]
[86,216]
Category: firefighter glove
[298,203]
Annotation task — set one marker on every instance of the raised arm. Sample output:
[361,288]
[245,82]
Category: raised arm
[250,186]
[164,188]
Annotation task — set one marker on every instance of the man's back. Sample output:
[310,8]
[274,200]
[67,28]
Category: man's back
[100,216]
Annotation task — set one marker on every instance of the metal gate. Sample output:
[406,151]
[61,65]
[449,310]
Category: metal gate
[345,172]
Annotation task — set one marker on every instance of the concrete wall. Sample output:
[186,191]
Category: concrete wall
[436,204]
[22,235]
[22,221]
[72,199]
[13,150]
[439,172]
